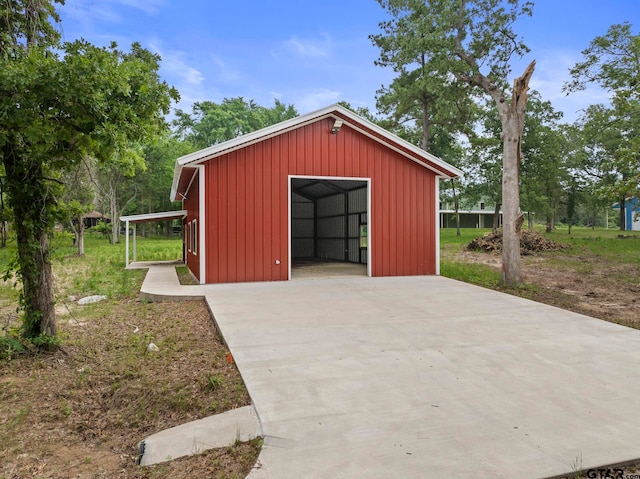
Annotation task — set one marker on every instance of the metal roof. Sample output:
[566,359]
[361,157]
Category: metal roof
[362,125]
[162,216]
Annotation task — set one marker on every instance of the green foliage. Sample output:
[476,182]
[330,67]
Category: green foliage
[422,102]
[211,123]
[45,341]
[545,171]
[103,228]
[58,105]
[213,382]
[25,23]
[9,347]
[154,184]
[610,134]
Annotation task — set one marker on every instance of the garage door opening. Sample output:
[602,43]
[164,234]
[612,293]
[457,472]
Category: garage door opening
[329,227]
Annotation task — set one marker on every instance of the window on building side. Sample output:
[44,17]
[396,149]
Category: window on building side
[188,236]
[194,235]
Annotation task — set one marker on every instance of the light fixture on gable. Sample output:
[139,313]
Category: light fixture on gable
[336,126]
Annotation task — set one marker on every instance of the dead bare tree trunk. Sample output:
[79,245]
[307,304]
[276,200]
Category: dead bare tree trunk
[511,273]
[512,118]
[512,121]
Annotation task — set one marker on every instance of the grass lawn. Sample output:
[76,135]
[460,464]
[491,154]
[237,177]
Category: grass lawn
[80,411]
[599,275]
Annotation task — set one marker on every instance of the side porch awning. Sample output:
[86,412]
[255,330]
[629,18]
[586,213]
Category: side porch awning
[146,218]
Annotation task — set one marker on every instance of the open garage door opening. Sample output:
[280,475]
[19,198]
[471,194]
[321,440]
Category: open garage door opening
[329,227]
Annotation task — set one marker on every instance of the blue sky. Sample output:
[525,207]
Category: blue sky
[312,54]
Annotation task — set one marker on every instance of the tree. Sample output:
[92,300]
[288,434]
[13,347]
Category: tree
[77,200]
[482,163]
[473,42]
[422,96]
[155,181]
[211,123]
[56,107]
[612,132]
[423,104]
[116,184]
[544,173]
[607,158]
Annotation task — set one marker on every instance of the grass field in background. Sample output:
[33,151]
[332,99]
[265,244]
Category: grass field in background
[474,273]
[587,245]
[100,271]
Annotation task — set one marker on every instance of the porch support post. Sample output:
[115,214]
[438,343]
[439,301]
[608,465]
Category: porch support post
[135,246]
[126,243]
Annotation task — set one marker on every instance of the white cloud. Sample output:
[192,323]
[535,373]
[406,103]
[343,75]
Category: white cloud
[308,101]
[309,48]
[175,66]
[225,72]
[150,7]
[88,12]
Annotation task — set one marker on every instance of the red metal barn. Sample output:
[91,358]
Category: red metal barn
[328,185]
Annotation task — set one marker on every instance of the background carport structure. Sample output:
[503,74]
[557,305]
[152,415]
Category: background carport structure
[146,218]
[329,220]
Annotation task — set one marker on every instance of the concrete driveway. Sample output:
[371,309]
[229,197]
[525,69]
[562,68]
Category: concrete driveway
[428,377]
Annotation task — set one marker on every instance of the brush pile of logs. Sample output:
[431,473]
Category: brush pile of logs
[530,243]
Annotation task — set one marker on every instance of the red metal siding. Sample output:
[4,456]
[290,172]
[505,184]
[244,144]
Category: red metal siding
[247,211]
[193,212]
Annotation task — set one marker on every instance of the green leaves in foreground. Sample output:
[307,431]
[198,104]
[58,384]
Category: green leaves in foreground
[55,110]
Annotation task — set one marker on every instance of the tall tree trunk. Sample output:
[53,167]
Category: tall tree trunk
[80,236]
[37,283]
[496,217]
[425,124]
[456,207]
[113,212]
[512,119]
[31,225]
[3,222]
[77,226]
[623,214]
[511,216]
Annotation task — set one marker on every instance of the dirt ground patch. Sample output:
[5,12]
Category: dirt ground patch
[586,284]
[80,412]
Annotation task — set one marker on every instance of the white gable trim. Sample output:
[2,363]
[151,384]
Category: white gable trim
[441,168]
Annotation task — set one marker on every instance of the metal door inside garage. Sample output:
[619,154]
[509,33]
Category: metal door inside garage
[329,224]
